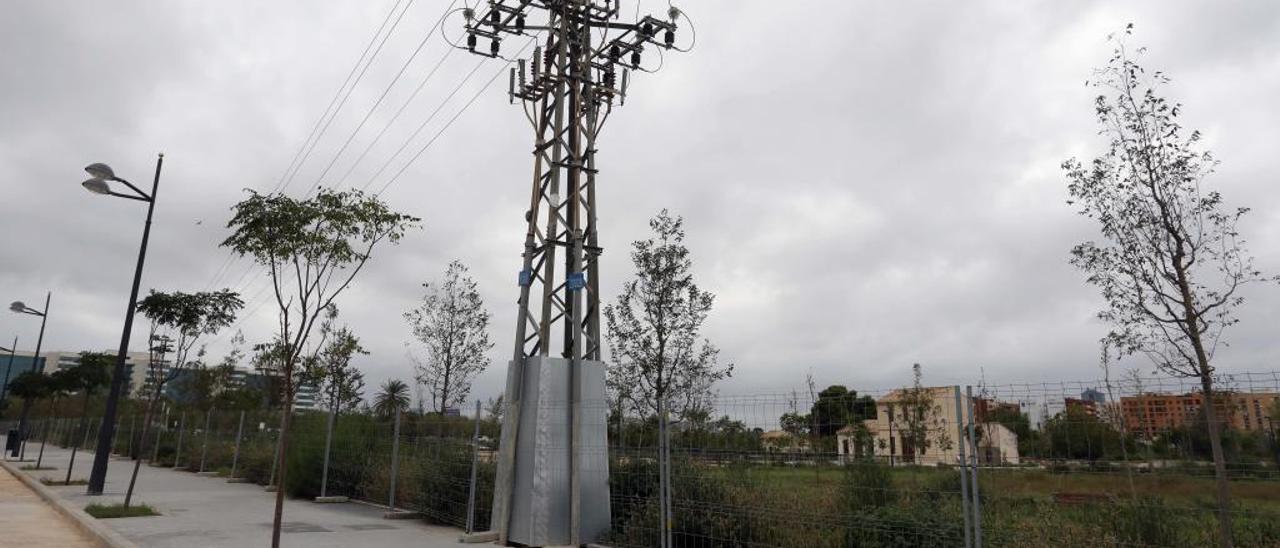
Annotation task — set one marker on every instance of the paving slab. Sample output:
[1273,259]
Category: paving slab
[210,512]
[28,520]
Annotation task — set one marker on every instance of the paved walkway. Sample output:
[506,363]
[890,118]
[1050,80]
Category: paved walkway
[202,511]
[27,520]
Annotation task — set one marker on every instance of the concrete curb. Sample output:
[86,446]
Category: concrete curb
[106,536]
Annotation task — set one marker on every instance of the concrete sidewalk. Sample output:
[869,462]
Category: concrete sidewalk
[208,511]
[27,520]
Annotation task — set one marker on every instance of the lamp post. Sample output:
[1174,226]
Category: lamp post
[22,308]
[4,388]
[102,174]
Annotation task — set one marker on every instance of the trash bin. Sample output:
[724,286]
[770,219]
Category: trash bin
[12,441]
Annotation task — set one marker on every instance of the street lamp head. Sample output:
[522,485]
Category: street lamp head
[18,306]
[96,186]
[101,171]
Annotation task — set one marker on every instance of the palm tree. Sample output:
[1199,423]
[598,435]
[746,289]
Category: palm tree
[393,397]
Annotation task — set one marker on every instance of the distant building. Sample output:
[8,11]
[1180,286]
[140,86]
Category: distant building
[306,397]
[780,441]
[1093,395]
[998,445]
[55,360]
[1151,414]
[1035,411]
[1089,407]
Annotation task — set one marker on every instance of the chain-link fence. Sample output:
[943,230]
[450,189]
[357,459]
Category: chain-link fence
[1118,462]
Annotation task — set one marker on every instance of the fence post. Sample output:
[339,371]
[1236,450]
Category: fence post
[328,443]
[395,462]
[155,447]
[204,445]
[475,463]
[235,455]
[133,431]
[964,476]
[177,451]
[664,476]
[275,458]
[977,504]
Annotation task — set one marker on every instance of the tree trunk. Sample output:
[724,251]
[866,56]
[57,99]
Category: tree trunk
[280,465]
[137,460]
[1219,463]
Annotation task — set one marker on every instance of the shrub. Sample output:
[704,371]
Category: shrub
[866,485]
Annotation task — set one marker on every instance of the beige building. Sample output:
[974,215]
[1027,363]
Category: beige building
[923,428]
[780,441]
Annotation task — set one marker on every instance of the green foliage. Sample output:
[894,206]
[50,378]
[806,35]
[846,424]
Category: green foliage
[191,314]
[654,329]
[338,226]
[30,385]
[1145,521]
[94,370]
[355,438]
[452,325]
[393,397]
[698,499]
[443,481]
[341,385]
[837,407]
[866,486]
[1077,434]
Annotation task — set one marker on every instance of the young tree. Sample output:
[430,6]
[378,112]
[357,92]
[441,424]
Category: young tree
[1171,260]
[340,383]
[178,322]
[312,248]
[657,352]
[453,327]
[394,397]
[921,417]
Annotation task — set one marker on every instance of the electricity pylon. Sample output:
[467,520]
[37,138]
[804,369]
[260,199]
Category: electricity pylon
[567,88]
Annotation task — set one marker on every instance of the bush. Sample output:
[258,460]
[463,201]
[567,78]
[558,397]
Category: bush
[866,485]
[704,511]
[442,470]
[1144,521]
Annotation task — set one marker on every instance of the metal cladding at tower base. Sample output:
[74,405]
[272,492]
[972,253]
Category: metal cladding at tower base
[540,498]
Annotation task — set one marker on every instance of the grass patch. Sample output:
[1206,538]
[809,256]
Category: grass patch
[56,482]
[32,467]
[105,511]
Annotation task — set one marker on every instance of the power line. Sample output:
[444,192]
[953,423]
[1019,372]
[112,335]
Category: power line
[453,119]
[346,96]
[386,90]
[316,132]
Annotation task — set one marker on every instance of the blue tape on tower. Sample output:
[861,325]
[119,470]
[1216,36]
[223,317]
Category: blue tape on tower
[526,278]
[577,280]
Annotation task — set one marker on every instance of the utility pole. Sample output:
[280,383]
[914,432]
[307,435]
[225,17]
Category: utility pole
[567,88]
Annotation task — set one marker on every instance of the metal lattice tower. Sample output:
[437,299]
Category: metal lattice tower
[568,88]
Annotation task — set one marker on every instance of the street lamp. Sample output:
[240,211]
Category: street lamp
[102,175]
[21,308]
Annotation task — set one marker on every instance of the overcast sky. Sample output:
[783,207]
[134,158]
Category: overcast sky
[865,184]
